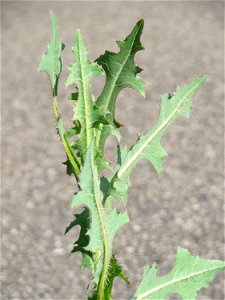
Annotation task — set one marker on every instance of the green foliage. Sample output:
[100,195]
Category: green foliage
[120,69]
[93,122]
[148,146]
[85,110]
[189,275]
[51,60]
[104,223]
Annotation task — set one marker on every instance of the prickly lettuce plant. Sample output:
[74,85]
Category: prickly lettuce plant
[93,122]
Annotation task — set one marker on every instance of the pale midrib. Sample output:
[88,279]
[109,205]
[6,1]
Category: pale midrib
[86,117]
[135,156]
[106,257]
[55,41]
[146,294]
[120,70]
[106,104]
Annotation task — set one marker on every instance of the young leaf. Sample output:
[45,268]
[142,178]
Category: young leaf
[85,111]
[52,64]
[51,60]
[189,275]
[104,224]
[148,146]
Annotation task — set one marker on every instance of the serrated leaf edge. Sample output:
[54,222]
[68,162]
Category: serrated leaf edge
[143,296]
[123,169]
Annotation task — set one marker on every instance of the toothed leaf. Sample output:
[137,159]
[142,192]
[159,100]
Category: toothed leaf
[93,122]
[189,275]
[121,72]
[83,220]
[85,111]
[148,146]
[104,224]
[51,60]
[120,69]
[52,64]
[115,271]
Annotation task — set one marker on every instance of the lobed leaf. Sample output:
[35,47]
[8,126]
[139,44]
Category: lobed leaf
[93,122]
[148,146]
[104,223]
[189,275]
[52,64]
[51,60]
[83,220]
[85,110]
[120,69]
[121,72]
[115,271]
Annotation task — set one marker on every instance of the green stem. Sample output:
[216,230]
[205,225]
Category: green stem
[106,254]
[69,151]
[106,260]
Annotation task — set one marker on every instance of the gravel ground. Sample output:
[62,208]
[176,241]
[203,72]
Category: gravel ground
[183,206]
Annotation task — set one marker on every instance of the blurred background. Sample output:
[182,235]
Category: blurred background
[181,207]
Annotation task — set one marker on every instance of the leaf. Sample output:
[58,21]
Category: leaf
[148,146]
[93,122]
[52,64]
[83,220]
[85,110]
[121,72]
[189,275]
[72,162]
[73,96]
[120,69]
[104,224]
[115,271]
[51,60]
[103,131]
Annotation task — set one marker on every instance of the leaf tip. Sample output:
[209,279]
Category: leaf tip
[53,20]
[78,33]
[51,13]
[143,93]
[201,79]
[141,23]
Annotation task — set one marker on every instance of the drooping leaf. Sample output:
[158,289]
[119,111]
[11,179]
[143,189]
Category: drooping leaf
[104,224]
[85,110]
[148,146]
[189,275]
[51,60]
